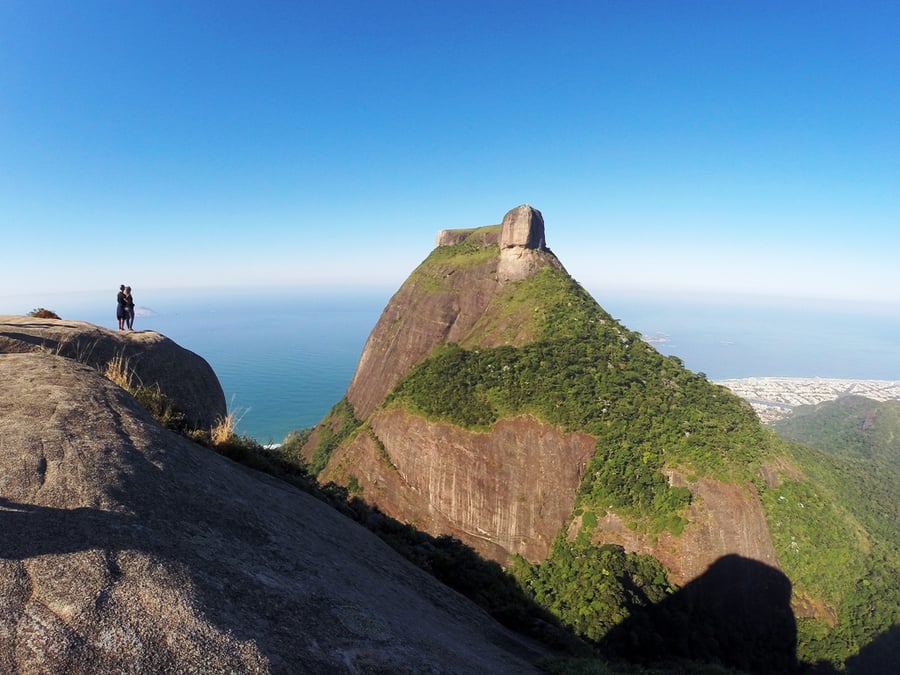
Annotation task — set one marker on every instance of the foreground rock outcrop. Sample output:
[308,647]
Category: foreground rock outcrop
[127,548]
[152,359]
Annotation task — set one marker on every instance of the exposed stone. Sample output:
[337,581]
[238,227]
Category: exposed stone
[503,492]
[523,226]
[418,318]
[127,548]
[151,358]
[485,236]
[512,489]
[506,491]
[517,263]
[724,519]
[447,303]
[450,237]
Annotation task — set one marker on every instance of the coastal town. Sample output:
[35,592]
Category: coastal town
[774,397]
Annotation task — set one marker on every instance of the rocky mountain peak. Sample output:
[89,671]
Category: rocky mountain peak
[523,226]
[522,244]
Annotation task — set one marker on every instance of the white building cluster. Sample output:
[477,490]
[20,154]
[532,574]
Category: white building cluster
[775,397]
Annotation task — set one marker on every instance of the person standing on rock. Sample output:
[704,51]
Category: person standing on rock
[129,308]
[121,308]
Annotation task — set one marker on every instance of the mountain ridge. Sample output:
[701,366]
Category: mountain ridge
[675,456]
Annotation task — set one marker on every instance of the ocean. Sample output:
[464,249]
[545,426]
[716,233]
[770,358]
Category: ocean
[284,357]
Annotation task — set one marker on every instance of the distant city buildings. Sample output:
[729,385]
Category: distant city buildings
[775,397]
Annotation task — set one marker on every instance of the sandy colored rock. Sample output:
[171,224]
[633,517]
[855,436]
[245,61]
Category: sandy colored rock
[522,226]
[127,548]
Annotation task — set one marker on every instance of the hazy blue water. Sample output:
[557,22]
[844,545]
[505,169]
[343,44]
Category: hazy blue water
[790,339]
[284,358]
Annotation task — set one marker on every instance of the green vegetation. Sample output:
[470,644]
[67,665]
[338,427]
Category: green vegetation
[338,424]
[585,372]
[591,589]
[161,407]
[445,261]
[851,426]
[446,558]
[837,531]
[562,360]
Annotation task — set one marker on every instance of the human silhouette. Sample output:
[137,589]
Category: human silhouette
[121,307]
[129,308]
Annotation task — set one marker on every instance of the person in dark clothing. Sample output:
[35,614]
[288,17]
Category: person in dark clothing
[121,308]
[129,308]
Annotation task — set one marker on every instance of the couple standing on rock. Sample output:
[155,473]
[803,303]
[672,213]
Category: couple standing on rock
[125,308]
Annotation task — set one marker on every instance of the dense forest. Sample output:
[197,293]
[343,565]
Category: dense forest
[850,517]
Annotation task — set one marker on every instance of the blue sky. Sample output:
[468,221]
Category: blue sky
[673,147]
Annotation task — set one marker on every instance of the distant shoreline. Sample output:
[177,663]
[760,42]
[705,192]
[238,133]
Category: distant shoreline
[775,397]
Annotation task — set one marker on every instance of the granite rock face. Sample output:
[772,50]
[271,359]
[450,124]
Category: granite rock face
[503,492]
[521,244]
[127,548]
[724,519]
[448,303]
[523,226]
[151,358]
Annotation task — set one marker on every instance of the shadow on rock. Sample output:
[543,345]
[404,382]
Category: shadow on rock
[736,614]
[880,657]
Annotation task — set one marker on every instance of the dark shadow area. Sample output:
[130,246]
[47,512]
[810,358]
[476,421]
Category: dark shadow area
[737,614]
[34,341]
[29,530]
[458,566]
[880,657]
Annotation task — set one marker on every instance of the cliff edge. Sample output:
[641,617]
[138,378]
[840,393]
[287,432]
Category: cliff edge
[151,359]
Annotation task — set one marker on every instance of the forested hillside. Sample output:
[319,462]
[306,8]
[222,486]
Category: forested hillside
[543,349]
[586,372]
[850,515]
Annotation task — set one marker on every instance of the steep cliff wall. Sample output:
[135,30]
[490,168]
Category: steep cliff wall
[497,402]
[723,519]
[507,490]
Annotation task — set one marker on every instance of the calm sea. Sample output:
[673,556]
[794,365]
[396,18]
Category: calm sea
[285,357]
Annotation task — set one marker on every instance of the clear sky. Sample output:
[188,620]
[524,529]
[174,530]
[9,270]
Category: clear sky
[679,146]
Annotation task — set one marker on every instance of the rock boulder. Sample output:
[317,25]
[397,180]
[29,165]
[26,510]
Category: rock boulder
[523,226]
[127,548]
[151,359]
